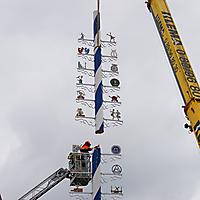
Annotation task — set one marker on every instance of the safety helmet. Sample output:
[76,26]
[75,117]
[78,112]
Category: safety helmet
[88,143]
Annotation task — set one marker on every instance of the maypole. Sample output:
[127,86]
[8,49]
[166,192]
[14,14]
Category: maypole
[99,124]
[96,174]
[98,84]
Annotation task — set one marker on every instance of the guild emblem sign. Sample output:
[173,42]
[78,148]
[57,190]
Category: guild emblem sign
[75,148]
[114,82]
[114,68]
[116,149]
[116,169]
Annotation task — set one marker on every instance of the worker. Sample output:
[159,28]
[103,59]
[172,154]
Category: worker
[86,147]
[85,156]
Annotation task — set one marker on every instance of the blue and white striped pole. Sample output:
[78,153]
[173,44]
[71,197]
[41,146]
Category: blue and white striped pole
[96,174]
[99,124]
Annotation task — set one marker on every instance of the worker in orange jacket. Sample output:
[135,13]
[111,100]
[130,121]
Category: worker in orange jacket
[86,147]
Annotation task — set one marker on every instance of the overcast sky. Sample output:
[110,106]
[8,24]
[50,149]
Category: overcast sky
[38,48]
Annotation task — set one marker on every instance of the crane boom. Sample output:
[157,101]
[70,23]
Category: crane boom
[179,62]
[46,184]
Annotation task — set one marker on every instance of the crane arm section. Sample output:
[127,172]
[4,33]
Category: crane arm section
[46,184]
[179,62]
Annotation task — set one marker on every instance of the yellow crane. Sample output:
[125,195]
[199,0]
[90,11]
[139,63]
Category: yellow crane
[179,62]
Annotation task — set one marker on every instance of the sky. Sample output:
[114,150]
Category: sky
[38,90]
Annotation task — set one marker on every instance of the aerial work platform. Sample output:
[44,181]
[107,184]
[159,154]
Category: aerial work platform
[80,168]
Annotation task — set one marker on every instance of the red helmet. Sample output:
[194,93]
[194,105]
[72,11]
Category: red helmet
[88,143]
